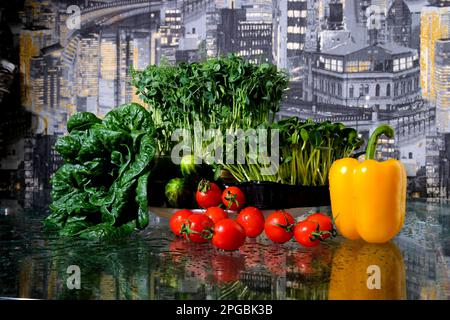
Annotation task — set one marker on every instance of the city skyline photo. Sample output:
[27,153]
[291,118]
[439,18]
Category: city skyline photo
[359,62]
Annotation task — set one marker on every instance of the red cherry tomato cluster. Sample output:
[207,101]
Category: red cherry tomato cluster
[228,234]
[224,233]
[280,227]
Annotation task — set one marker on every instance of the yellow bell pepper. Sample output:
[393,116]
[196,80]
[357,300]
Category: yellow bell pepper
[368,199]
[353,272]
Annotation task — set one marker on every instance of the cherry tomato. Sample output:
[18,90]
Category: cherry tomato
[178,219]
[325,224]
[216,214]
[252,220]
[208,194]
[279,226]
[233,198]
[228,235]
[198,228]
[307,233]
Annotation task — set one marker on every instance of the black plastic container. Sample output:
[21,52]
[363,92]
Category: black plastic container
[262,194]
[163,170]
[156,194]
[271,195]
[306,196]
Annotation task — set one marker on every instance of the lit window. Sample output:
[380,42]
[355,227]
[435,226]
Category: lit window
[351,66]
[339,66]
[333,65]
[364,66]
[409,62]
[402,63]
[396,65]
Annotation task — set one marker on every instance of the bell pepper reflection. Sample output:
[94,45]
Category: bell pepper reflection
[365,271]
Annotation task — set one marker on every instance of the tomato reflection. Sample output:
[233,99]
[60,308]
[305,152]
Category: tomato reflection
[275,257]
[303,261]
[192,256]
[252,251]
[227,266]
[363,271]
[177,249]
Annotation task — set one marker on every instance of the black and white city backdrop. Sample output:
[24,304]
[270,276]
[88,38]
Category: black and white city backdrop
[359,63]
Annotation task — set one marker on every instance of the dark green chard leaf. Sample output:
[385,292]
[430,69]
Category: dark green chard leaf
[101,190]
[142,201]
[82,121]
[128,118]
[68,147]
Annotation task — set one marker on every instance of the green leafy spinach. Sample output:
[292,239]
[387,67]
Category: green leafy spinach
[101,189]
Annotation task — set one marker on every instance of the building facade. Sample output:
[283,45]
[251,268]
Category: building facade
[292,34]
[32,40]
[399,23]
[251,40]
[335,15]
[378,76]
[170,32]
[435,25]
[442,83]
[296,27]
[415,8]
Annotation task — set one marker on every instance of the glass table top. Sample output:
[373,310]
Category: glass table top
[153,264]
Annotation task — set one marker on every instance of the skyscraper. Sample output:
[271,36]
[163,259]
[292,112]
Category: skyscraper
[32,40]
[335,15]
[251,40]
[87,73]
[258,10]
[107,91]
[442,85]
[295,29]
[296,26]
[170,33]
[399,24]
[435,25]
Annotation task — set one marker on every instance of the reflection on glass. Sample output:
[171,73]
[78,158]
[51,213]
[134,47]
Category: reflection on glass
[364,271]
[155,265]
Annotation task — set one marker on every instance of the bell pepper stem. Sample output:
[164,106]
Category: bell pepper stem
[385,129]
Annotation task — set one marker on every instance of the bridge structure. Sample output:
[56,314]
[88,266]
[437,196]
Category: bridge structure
[105,14]
[111,12]
[115,11]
